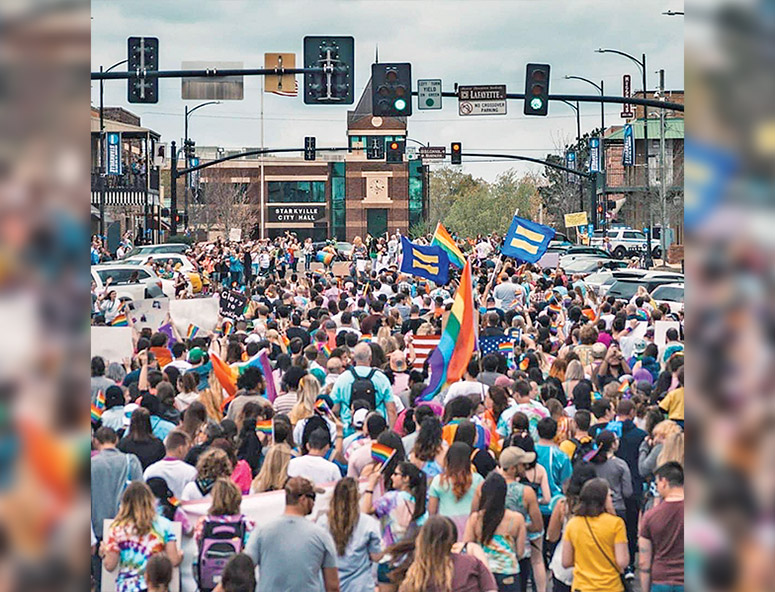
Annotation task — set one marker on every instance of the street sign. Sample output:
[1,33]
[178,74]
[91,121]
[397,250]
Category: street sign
[575,219]
[627,93]
[429,94]
[215,88]
[433,152]
[411,153]
[482,100]
[285,84]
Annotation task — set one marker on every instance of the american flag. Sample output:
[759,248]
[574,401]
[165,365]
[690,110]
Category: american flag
[287,93]
[423,346]
[499,344]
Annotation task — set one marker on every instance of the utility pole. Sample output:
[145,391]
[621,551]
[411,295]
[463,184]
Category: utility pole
[662,173]
[173,189]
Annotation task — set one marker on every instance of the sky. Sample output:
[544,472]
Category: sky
[464,42]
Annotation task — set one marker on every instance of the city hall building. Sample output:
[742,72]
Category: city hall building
[339,195]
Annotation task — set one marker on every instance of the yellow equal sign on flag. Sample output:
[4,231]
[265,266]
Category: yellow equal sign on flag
[429,263]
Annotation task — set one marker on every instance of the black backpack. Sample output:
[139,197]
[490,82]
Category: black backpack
[582,448]
[220,542]
[363,389]
[313,423]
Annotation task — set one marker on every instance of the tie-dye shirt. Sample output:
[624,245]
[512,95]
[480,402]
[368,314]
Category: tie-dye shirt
[134,551]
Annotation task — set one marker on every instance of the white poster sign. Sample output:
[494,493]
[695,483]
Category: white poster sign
[660,332]
[202,312]
[113,344]
[151,312]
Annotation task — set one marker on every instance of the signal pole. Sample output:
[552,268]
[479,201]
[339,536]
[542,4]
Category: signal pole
[662,173]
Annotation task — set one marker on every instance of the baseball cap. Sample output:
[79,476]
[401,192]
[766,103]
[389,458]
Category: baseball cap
[359,417]
[640,346]
[398,361]
[598,350]
[300,486]
[513,456]
[195,355]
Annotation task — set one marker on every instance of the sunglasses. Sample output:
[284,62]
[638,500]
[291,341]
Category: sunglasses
[311,496]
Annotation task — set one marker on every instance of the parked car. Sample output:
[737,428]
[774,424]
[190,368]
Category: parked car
[586,266]
[582,252]
[186,266]
[146,285]
[637,274]
[624,241]
[342,249]
[670,294]
[625,289]
[169,248]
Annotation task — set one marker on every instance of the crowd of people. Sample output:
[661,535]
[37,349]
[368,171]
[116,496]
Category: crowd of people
[555,463]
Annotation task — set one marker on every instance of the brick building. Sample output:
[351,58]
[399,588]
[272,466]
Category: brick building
[339,195]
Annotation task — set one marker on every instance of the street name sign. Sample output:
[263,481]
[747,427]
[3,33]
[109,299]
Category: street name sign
[433,152]
[429,94]
[482,100]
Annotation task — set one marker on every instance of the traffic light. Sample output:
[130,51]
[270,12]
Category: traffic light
[537,89]
[391,90]
[455,152]
[188,148]
[143,56]
[309,148]
[334,84]
[395,151]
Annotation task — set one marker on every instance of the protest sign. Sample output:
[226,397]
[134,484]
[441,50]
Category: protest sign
[150,312]
[113,344]
[202,312]
[232,304]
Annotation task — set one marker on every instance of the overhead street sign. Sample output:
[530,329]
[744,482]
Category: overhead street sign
[429,94]
[433,152]
[482,100]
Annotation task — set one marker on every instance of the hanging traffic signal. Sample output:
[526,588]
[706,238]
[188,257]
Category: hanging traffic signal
[143,56]
[391,90]
[395,151]
[537,89]
[333,85]
[309,148]
[456,150]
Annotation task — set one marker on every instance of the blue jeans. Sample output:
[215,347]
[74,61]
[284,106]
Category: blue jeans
[666,588]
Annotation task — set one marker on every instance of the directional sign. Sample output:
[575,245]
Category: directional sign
[433,152]
[429,94]
[482,100]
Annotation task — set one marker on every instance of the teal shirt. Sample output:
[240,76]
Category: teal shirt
[558,470]
[343,389]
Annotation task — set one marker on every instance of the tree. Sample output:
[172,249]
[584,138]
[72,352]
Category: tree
[223,204]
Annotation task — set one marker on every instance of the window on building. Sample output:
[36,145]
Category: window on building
[296,191]
[357,142]
[338,201]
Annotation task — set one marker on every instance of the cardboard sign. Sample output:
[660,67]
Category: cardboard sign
[150,312]
[660,332]
[232,304]
[113,344]
[109,577]
[575,219]
[235,235]
[202,312]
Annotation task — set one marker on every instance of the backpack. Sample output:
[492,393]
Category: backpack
[363,389]
[220,541]
[615,426]
[582,448]
[313,423]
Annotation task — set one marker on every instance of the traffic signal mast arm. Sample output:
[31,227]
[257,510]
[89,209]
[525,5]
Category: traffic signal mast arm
[208,73]
[530,159]
[209,163]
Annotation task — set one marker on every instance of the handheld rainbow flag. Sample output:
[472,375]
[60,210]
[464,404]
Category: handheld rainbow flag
[265,427]
[624,387]
[227,328]
[322,406]
[555,306]
[193,330]
[98,407]
[325,258]
[524,363]
[506,348]
[449,360]
[366,338]
[227,375]
[323,347]
[173,501]
[120,321]
[443,239]
[589,312]
[381,453]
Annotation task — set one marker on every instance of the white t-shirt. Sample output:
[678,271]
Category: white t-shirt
[181,365]
[315,468]
[176,473]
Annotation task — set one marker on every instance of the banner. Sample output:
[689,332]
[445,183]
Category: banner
[113,157]
[202,312]
[570,163]
[628,153]
[113,344]
[150,312]
[193,177]
[232,304]
[594,155]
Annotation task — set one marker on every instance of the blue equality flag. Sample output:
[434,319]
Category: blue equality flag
[431,262]
[526,240]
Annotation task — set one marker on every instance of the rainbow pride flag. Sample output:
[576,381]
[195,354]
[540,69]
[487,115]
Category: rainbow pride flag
[366,338]
[381,453]
[443,239]
[192,332]
[120,321]
[506,348]
[624,387]
[322,406]
[227,328]
[98,407]
[325,258]
[264,427]
[589,312]
[556,307]
[450,358]
[227,375]
[325,349]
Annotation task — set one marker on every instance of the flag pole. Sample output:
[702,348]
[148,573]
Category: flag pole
[498,267]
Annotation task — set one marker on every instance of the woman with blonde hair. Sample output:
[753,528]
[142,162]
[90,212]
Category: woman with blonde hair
[672,449]
[212,399]
[309,389]
[213,464]
[137,533]
[574,373]
[274,471]
[274,338]
[437,569]
[356,537]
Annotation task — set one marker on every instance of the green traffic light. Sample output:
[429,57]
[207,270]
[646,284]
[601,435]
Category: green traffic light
[536,103]
[399,104]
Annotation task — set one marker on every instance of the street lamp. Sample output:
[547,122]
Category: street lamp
[188,113]
[102,147]
[577,109]
[641,63]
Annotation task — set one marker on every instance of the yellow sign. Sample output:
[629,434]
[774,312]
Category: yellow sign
[575,219]
[285,83]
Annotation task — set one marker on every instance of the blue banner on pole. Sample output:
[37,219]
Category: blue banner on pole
[594,155]
[570,162]
[628,153]
[113,158]
[193,178]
